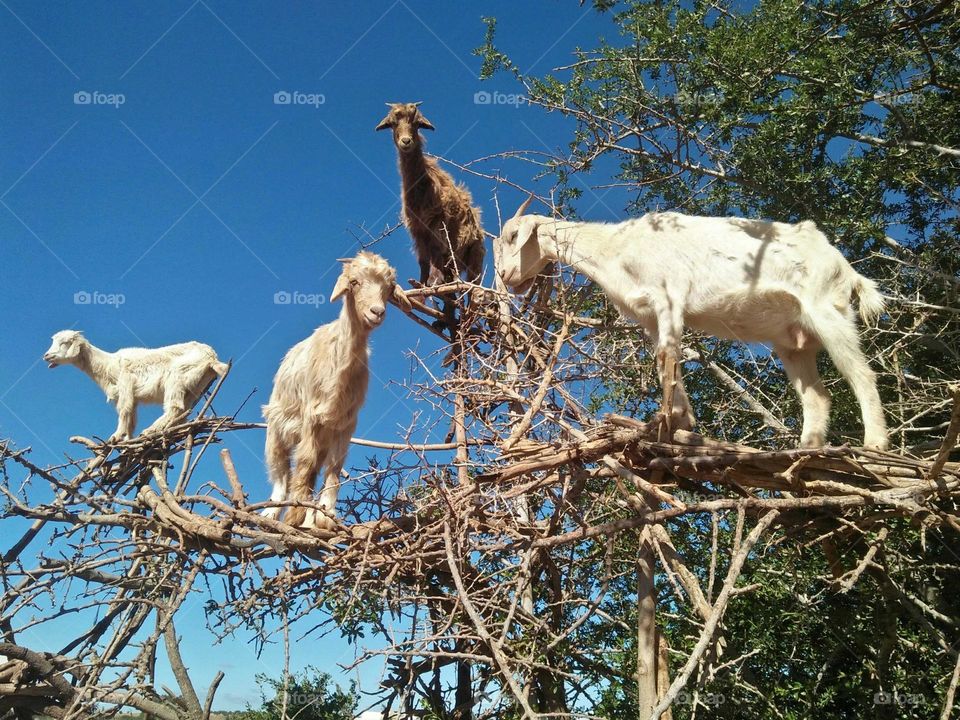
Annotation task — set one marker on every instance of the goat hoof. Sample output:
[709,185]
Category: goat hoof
[319,521]
[813,442]
[272,513]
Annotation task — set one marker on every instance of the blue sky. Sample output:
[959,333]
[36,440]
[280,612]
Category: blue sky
[184,189]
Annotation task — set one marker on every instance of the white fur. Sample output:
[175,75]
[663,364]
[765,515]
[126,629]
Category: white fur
[174,376]
[319,389]
[749,280]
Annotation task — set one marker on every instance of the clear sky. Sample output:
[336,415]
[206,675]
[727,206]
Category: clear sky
[147,169]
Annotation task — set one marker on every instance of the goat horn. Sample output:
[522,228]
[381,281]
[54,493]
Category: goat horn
[418,103]
[523,208]
[344,259]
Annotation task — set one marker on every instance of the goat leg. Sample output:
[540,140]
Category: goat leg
[675,410]
[450,316]
[666,360]
[424,272]
[325,517]
[126,422]
[308,458]
[672,417]
[169,417]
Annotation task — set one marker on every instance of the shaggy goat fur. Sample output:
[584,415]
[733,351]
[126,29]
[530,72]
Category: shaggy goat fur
[748,280]
[319,389]
[438,213]
[174,376]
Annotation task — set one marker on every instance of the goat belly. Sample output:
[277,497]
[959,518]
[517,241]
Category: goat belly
[149,390]
[769,315]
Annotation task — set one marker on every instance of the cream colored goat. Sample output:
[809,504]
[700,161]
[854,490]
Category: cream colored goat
[319,389]
[174,376]
[748,280]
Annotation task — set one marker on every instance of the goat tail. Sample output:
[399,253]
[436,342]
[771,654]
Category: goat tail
[869,300]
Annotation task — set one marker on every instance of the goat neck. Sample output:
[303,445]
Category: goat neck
[353,333]
[586,247]
[414,171]
[97,364]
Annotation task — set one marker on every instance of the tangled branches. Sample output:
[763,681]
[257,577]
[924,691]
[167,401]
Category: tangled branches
[488,564]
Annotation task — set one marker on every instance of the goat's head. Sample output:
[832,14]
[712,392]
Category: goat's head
[517,251]
[368,282]
[65,348]
[406,120]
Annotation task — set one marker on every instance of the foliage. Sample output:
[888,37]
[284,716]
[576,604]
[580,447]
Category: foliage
[309,695]
[840,111]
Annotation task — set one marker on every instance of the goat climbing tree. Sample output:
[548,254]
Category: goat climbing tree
[555,556]
[547,555]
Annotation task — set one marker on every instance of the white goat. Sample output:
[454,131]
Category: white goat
[319,389]
[174,376]
[732,278]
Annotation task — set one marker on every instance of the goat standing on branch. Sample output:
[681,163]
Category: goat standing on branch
[747,280]
[319,389]
[438,213]
[174,375]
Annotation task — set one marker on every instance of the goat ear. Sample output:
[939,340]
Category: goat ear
[526,232]
[424,123]
[343,284]
[387,122]
[402,300]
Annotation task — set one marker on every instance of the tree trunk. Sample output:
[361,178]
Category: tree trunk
[647,645]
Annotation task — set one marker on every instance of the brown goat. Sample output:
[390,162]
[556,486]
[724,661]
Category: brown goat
[438,213]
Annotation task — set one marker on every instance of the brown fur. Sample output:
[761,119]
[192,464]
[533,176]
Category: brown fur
[438,213]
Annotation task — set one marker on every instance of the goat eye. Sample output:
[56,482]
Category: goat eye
[354,283]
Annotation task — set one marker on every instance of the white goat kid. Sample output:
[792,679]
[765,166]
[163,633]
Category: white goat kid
[174,376]
[319,390]
[733,278]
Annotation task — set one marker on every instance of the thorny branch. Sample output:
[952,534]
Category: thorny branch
[490,552]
